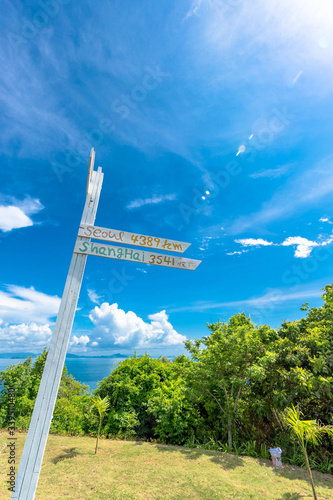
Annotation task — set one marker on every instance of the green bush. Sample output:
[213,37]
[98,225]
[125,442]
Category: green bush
[176,417]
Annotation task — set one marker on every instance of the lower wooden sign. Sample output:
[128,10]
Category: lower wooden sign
[140,256]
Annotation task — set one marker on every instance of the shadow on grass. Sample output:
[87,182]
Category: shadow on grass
[291,496]
[292,473]
[225,460]
[68,453]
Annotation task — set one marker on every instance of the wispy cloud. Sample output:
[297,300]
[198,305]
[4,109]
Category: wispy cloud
[195,8]
[271,173]
[303,246]
[14,213]
[144,271]
[297,77]
[93,296]
[287,34]
[204,242]
[303,192]
[325,219]
[19,304]
[28,98]
[154,200]
[272,297]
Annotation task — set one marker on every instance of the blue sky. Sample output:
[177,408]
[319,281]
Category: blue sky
[212,121]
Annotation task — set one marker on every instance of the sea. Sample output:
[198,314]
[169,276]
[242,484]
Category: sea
[88,371]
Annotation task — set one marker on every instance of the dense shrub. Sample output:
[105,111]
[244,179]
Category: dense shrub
[229,396]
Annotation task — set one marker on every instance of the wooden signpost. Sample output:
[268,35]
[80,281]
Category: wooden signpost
[33,452]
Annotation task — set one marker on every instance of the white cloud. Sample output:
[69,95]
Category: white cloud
[24,336]
[249,242]
[13,218]
[235,253]
[116,327]
[83,340]
[150,201]
[325,219]
[205,241]
[93,296]
[141,270]
[35,310]
[19,304]
[271,173]
[93,344]
[326,242]
[16,214]
[303,245]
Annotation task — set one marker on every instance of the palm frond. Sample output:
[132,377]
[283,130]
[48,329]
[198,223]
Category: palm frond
[101,405]
[307,431]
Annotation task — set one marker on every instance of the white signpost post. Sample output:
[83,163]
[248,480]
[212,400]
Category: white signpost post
[33,452]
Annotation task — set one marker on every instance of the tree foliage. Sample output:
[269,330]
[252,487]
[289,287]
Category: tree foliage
[147,399]
[232,358]
[69,414]
[230,393]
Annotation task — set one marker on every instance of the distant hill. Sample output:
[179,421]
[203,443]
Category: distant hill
[24,355]
[118,355]
[17,355]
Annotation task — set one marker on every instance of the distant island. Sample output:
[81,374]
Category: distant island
[118,355]
[25,355]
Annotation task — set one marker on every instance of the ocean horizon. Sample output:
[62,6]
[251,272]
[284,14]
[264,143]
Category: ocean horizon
[87,370]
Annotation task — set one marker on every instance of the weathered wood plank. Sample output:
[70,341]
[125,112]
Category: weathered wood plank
[30,465]
[140,240]
[135,255]
[31,461]
[91,168]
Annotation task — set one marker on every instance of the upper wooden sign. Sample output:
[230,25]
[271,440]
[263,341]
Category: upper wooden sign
[140,240]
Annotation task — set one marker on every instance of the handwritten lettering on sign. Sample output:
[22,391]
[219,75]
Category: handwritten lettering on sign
[142,256]
[140,240]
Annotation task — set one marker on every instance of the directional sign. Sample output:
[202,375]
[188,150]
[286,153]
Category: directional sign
[32,456]
[140,240]
[140,256]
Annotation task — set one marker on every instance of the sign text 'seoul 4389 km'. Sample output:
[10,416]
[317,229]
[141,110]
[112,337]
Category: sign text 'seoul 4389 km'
[32,456]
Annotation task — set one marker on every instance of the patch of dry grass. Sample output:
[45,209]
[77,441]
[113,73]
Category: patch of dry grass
[139,470]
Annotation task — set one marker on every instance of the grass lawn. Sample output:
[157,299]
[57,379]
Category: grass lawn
[139,470]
